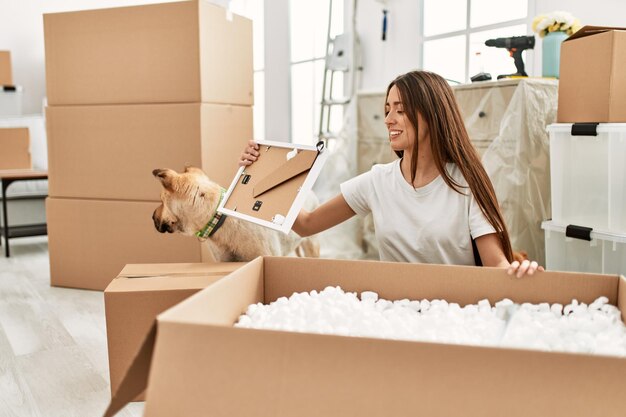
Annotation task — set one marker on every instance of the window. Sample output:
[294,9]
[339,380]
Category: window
[253,9]
[455,31]
[308,31]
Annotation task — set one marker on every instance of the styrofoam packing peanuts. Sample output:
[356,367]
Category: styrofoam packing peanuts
[414,305]
[545,307]
[369,295]
[471,309]
[484,304]
[557,309]
[597,304]
[577,327]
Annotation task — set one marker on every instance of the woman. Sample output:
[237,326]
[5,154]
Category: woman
[435,204]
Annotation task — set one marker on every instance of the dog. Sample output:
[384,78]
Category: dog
[520,256]
[189,201]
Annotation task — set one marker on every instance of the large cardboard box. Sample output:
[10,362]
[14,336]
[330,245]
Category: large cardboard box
[6,73]
[141,292]
[109,152]
[592,85]
[163,53]
[90,241]
[15,148]
[202,365]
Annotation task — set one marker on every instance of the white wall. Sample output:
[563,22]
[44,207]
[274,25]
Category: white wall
[384,60]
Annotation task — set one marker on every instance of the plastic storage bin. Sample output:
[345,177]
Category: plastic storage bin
[588,176]
[605,253]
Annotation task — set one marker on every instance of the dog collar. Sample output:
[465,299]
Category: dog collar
[215,223]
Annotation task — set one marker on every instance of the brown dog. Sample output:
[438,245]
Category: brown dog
[189,201]
[520,256]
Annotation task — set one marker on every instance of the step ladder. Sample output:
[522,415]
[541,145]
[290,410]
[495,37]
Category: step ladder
[342,60]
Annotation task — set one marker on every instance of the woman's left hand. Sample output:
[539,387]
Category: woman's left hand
[526,267]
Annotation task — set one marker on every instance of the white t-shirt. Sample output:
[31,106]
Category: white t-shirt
[430,224]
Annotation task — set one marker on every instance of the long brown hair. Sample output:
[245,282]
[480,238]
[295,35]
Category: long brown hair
[430,95]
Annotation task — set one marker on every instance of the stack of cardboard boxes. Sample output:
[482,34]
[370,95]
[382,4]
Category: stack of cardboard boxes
[129,90]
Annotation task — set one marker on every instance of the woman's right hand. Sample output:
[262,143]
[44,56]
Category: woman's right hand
[250,154]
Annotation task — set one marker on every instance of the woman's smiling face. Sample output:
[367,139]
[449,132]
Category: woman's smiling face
[401,131]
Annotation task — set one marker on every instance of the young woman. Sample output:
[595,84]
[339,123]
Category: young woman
[435,204]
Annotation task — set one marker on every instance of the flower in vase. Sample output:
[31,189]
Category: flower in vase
[557,21]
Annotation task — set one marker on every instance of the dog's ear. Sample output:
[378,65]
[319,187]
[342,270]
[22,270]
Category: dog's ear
[166,176]
[192,169]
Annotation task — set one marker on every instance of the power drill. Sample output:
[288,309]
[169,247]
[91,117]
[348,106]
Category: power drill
[515,45]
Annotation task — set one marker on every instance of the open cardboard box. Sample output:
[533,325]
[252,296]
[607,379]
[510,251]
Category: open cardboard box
[202,365]
[138,294]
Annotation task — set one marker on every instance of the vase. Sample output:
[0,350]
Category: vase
[551,53]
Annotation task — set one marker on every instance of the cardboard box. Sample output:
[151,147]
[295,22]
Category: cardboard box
[163,53]
[90,241]
[202,365]
[109,152]
[140,292]
[592,85]
[6,72]
[15,148]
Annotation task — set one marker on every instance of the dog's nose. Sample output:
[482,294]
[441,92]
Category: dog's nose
[162,227]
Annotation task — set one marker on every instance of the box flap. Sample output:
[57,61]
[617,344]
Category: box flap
[136,380]
[621,296]
[245,287]
[301,162]
[177,269]
[591,30]
[162,283]
[272,191]
[454,283]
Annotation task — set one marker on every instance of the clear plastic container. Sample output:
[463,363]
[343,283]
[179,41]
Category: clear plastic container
[588,177]
[605,253]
